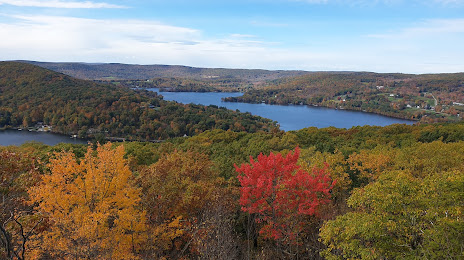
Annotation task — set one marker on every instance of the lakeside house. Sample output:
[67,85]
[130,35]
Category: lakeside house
[41,127]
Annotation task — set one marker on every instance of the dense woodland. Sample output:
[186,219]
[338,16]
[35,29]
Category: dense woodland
[32,95]
[392,192]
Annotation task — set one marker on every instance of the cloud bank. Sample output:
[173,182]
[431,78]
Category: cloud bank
[59,4]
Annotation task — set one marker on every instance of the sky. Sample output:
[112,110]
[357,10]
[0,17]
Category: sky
[415,36]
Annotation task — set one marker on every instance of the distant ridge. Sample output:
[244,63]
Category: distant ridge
[99,71]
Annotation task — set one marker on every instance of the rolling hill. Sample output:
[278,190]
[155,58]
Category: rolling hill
[32,95]
[110,71]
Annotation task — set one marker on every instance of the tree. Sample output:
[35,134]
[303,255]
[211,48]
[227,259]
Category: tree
[368,164]
[18,171]
[338,169]
[216,237]
[176,191]
[401,217]
[90,206]
[278,191]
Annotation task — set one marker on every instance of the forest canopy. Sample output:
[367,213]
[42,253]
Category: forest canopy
[395,192]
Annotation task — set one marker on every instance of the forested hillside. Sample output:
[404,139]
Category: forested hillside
[31,95]
[428,97]
[392,192]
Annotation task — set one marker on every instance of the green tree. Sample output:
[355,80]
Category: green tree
[399,217]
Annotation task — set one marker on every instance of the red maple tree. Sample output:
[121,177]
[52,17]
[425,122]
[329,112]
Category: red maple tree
[278,191]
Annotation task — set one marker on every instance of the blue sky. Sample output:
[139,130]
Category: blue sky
[356,35]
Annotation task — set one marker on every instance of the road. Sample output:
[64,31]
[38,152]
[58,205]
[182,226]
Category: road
[436,101]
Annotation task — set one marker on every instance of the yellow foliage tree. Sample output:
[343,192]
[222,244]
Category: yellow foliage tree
[371,163]
[91,207]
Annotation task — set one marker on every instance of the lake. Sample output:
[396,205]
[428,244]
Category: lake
[15,137]
[290,117]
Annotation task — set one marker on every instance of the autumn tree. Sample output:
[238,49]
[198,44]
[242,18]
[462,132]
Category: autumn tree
[216,236]
[401,217]
[176,191]
[18,221]
[91,207]
[367,165]
[338,170]
[278,192]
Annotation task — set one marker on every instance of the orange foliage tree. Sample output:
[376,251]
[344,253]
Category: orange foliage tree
[91,208]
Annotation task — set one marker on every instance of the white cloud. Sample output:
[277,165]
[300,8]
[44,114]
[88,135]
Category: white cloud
[57,38]
[238,35]
[433,45]
[134,41]
[59,4]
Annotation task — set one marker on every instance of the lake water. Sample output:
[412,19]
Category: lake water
[15,137]
[289,117]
